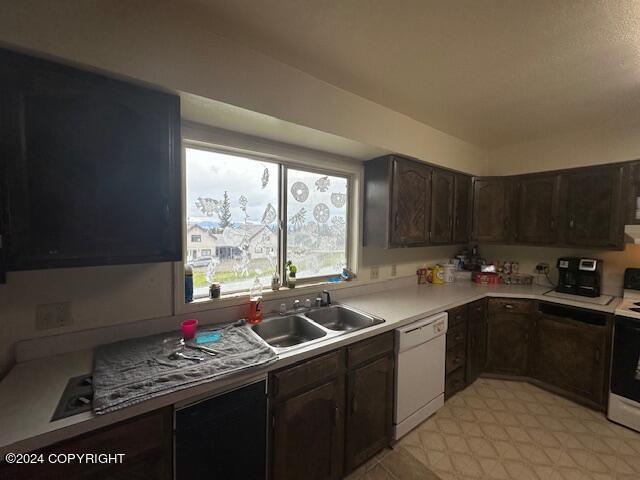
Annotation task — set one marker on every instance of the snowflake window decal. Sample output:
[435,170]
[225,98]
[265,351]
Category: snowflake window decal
[300,191]
[321,213]
[323,183]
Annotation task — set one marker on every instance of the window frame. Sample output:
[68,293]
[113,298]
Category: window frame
[283,165]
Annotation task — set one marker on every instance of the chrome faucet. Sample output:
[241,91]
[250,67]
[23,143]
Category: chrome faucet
[326,298]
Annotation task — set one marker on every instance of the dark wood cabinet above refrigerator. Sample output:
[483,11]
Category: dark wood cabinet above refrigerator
[91,167]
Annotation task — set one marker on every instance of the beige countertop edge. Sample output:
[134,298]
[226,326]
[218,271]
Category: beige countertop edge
[30,392]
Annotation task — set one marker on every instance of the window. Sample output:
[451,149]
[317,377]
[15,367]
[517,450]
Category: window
[233,207]
[316,223]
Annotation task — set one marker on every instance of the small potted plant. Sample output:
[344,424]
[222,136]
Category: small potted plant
[291,274]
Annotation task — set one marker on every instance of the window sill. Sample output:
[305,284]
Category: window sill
[241,298]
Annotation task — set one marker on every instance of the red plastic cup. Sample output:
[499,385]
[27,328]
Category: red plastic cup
[189,328]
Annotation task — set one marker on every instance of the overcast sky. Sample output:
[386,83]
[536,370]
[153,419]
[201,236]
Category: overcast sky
[209,174]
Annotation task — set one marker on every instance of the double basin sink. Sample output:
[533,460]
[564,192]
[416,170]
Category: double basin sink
[294,330]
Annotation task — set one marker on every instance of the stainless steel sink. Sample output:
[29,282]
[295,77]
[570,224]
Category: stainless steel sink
[342,318]
[284,333]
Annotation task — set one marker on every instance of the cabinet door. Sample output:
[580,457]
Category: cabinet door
[442,185]
[145,441]
[593,208]
[461,209]
[370,411]
[94,167]
[537,208]
[507,343]
[491,215]
[571,355]
[410,209]
[308,434]
[476,341]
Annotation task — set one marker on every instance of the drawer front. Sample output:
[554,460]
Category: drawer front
[501,305]
[457,336]
[369,349]
[455,358]
[454,383]
[306,374]
[457,315]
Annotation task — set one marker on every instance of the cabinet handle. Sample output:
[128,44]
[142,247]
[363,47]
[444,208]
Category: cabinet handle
[354,404]
[508,306]
[571,223]
[597,355]
[336,415]
[552,224]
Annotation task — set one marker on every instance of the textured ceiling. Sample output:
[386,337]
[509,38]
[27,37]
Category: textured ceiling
[490,72]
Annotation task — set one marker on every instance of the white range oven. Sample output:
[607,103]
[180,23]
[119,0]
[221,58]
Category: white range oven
[624,394]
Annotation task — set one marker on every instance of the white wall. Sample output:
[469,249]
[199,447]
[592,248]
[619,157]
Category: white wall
[174,44]
[576,149]
[614,262]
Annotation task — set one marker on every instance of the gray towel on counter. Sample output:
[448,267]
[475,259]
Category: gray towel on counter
[132,371]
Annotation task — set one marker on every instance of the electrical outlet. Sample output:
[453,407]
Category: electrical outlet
[394,270]
[53,315]
[375,273]
[542,268]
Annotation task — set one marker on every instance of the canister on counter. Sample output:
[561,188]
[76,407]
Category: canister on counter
[438,275]
[449,273]
[422,276]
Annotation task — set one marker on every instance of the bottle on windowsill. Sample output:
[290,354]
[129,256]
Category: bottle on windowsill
[275,282]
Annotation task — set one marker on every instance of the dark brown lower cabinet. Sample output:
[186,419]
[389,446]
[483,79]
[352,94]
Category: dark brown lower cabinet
[572,355]
[314,435]
[476,340]
[146,441]
[369,411]
[455,357]
[308,429]
[508,330]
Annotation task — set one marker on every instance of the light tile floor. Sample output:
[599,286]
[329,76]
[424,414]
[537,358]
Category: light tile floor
[510,430]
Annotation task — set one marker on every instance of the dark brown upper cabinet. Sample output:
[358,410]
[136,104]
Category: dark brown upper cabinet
[410,210]
[536,205]
[397,202]
[591,207]
[631,193]
[461,208]
[92,167]
[442,190]
[491,209]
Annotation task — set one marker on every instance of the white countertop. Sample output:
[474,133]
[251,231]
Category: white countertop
[30,392]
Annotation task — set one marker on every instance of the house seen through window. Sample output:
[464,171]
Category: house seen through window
[233,217]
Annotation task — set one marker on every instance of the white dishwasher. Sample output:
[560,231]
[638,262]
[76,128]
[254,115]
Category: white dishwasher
[420,368]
